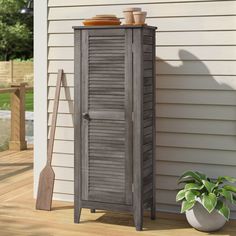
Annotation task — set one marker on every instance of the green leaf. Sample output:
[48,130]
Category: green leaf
[209,186]
[201,175]
[227,194]
[209,202]
[223,209]
[191,174]
[193,186]
[186,206]
[230,188]
[191,195]
[226,178]
[180,195]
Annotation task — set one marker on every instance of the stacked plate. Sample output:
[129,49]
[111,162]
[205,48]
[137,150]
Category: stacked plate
[102,20]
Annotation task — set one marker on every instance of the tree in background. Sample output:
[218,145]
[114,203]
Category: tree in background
[16,31]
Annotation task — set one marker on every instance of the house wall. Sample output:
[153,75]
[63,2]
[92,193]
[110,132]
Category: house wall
[196,97]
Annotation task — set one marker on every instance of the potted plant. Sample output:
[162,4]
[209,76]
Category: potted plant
[206,200]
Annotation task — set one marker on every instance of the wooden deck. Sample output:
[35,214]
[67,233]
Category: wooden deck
[19,217]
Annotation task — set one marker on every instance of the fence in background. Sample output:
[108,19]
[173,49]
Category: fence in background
[16,72]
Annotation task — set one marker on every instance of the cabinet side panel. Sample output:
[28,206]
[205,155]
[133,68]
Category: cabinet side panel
[138,127]
[77,121]
[148,116]
[128,113]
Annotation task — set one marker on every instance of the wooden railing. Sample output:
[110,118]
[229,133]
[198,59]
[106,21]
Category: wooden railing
[17,138]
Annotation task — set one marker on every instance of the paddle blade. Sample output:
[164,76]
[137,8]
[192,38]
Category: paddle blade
[45,189]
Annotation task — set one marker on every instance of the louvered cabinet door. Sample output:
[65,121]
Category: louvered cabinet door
[107,115]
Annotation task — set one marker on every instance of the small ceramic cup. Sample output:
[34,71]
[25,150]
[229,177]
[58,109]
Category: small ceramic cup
[128,14]
[139,17]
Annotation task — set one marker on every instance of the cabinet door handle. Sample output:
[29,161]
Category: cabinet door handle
[86,116]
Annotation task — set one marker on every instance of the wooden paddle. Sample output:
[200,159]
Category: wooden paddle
[47,175]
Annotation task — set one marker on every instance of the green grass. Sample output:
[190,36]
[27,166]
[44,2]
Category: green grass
[4,146]
[5,101]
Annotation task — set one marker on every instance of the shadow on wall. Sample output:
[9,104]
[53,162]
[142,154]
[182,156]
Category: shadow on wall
[196,121]
[190,65]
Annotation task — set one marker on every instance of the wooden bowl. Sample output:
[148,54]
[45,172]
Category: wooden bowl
[91,22]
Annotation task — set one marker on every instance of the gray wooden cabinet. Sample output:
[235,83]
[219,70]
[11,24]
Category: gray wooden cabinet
[115,119]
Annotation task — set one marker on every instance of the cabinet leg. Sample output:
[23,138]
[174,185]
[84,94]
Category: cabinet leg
[77,213]
[93,210]
[138,220]
[138,224]
[153,211]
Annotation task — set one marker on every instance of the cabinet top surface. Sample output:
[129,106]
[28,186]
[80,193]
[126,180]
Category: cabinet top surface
[114,27]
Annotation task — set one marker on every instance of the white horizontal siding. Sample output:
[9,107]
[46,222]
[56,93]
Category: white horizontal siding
[63,120]
[196,155]
[194,67]
[171,96]
[216,142]
[167,24]
[62,196]
[64,173]
[63,133]
[207,82]
[167,139]
[161,10]
[65,52]
[167,125]
[176,168]
[202,97]
[69,3]
[191,126]
[64,186]
[64,147]
[188,111]
[61,160]
[196,126]
[191,38]
[199,82]
[196,83]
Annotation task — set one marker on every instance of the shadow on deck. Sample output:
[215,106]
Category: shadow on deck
[19,217]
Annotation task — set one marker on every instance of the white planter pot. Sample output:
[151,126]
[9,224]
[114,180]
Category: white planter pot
[200,219]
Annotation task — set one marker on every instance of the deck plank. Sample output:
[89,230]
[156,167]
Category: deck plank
[19,217]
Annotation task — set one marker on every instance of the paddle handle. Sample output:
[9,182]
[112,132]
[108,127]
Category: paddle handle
[54,117]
